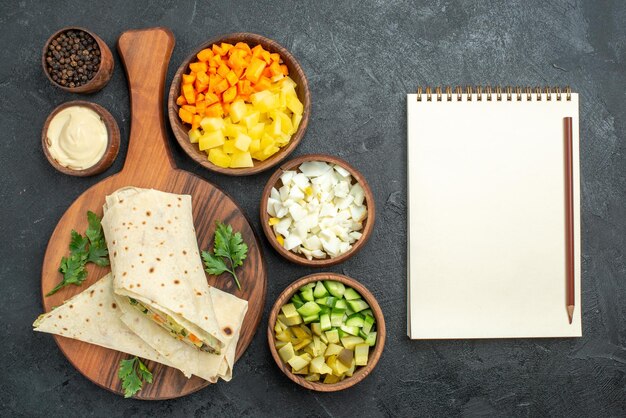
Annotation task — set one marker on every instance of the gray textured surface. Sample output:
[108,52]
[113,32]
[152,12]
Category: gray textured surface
[361,59]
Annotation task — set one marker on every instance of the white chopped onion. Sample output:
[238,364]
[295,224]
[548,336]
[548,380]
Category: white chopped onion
[355,235]
[328,209]
[271,206]
[317,211]
[358,193]
[343,202]
[313,243]
[282,227]
[342,189]
[318,253]
[296,194]
[284,193]
[297,212]
[301,181]
[342,171]
[308,254]
[281,210]
[358,213]
[314,168]
[292,241]
[286,177]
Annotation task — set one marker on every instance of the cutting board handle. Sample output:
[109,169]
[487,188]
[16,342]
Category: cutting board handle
[145,54]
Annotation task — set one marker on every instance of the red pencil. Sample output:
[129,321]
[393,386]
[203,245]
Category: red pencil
[569,218]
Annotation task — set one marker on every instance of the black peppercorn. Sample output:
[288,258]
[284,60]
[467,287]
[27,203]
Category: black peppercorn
[72,58]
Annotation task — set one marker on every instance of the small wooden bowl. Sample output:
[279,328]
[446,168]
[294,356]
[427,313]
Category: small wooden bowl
[363,371]
[113,145]
[295,72]
[103,75]
[368,224]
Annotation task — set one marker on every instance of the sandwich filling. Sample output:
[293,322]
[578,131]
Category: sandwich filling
[207,343]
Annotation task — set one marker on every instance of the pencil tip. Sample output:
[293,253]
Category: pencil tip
[570,312]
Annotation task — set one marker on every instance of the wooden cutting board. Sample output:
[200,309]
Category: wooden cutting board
[145,55]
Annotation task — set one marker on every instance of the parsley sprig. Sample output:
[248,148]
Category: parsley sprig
[133,373]
[229,251]
[91,248]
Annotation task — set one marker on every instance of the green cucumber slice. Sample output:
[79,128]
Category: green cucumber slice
[358,305]
[341,304]
[325,322]
[336,289]
[309,309]
[355,321]
[306,294]
[336,318]
[351,294]
[371,339]
[350,330]
[368,312]
[309,285]
[310,318]
[320,291]
[368,323]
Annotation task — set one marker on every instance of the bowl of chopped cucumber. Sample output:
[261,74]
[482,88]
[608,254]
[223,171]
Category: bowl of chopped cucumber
[326,332]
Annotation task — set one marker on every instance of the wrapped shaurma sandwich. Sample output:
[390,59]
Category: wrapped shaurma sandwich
[159,288]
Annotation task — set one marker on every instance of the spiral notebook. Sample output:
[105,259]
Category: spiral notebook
[486,216]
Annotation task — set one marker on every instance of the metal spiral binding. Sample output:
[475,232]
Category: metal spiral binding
[516,93]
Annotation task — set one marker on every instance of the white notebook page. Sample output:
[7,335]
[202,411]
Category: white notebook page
[486,218]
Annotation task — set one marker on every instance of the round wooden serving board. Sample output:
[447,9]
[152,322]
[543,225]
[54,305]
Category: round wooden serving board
[145,55]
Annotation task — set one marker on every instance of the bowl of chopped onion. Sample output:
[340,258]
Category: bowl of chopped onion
[317,210]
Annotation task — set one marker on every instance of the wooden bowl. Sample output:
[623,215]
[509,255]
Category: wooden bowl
[368,225]
[295,72]
[363,371]
[113,145]
[103,75]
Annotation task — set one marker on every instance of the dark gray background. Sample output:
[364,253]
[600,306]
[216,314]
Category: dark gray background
[361,59]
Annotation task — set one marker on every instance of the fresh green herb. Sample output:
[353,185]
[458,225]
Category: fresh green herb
[78,243]
[228,247]
[98,252]
[133,373]
[91,248]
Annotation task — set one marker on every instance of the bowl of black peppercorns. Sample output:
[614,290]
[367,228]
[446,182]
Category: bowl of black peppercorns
[77,60]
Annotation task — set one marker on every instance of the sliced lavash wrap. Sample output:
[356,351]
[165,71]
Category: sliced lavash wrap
[93,316]
[188,359]
[155,261]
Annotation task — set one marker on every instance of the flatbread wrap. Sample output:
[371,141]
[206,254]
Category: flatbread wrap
[156,264]
[156,302]
[93,316]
